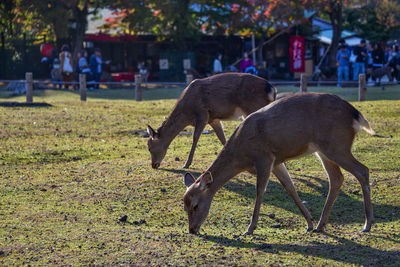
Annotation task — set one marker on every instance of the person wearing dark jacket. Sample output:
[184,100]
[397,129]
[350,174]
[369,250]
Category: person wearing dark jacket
[361,55]
[95,63]
[394,62]
[378,58]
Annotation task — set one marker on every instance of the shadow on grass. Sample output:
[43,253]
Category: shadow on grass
[11,104]
[129,94]
[109,94]
[182,172]
[346,251]
[346,210]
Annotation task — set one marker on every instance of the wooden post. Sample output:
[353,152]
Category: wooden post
[29,87]
[82,86]
[253,48]
[24,58]
[3,56]
[362,88]
[303,83]
[138,88]
[189,78]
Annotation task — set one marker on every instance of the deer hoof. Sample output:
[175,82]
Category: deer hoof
[317,230]
[247,233]
[187,164]
[309,229]
[365,230]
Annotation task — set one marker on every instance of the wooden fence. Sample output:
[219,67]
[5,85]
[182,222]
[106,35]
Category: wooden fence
[138,85]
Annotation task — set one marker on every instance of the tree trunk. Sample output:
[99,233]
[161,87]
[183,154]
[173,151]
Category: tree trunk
[337,21]
[80,16]
[182,25]
[60,39]
[260,47]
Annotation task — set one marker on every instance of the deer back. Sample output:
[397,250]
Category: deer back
[293,126]
[221,94]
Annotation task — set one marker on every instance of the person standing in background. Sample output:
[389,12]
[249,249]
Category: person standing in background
[343,62]
[55,73]
[143,70]
[378,57]
[361,56]
[217,66]
[394,62]
[66,65]
[83,66]
[96,62]
[246,62]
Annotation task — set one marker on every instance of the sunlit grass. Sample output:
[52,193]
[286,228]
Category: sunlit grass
[70,171]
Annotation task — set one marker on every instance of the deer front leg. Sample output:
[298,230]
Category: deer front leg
[283,176]
[263,171]
[198,129]
[219,131]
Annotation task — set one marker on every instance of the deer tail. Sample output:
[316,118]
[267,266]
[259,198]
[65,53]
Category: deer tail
[360,123]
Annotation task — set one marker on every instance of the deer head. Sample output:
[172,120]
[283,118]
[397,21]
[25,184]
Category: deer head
[197,199]
[156,147]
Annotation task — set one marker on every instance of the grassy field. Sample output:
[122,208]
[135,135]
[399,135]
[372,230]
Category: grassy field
[70,171]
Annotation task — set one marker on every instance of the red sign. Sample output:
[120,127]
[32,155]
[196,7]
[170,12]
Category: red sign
[296,51]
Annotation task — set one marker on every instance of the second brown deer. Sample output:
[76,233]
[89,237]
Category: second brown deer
[288,128]
[225,96]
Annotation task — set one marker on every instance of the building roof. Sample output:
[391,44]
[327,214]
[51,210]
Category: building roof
[326,32]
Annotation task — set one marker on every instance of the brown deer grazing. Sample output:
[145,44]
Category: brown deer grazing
[225,96]
[288,128]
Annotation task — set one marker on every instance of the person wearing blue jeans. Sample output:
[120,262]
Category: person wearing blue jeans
[361,55]
[95,63]
[343,63]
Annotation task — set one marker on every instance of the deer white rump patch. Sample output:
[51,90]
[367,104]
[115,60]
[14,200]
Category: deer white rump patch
[271,95]
[362,124]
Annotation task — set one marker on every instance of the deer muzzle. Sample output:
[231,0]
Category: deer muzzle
[155,165]
[193,231]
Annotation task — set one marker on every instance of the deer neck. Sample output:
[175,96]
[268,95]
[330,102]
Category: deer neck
[171,128]
[223,169]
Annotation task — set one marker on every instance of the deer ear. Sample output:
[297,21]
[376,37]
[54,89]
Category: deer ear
[189,179]
[152,132]
[206,179]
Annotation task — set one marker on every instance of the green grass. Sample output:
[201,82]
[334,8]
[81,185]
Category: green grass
[68,172]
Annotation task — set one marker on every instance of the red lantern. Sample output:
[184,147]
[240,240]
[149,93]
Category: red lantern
[46,50]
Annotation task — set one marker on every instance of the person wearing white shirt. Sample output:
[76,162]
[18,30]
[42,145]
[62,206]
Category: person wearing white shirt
[217,64]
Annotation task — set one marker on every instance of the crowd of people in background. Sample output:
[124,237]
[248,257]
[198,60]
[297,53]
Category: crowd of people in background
[246,65]
[64,69]
[374,60]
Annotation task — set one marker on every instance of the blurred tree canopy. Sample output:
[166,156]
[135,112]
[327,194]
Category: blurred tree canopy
[180,20]
[375,20]
[58,20]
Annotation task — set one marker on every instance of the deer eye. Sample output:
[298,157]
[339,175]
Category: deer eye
[195,207]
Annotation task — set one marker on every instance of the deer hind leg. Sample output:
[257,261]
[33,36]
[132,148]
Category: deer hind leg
[199,126]
[219,131]
[263,172]
[361,172]
[335,183]
[283,176]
